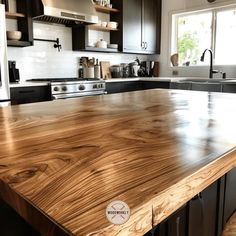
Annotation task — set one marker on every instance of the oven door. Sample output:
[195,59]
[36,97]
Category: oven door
[76,95]
[4,76]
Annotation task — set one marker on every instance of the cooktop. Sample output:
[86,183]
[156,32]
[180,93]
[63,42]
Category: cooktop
[62,79]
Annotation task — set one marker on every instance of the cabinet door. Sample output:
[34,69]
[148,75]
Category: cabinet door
[177,223]
[132,21]
[210,87]
[130,86]
[203,214]
[113,87]
[230,194]
[20,95]
[149,32]
[12,224]
[157,84]
[229,88]
[180,85]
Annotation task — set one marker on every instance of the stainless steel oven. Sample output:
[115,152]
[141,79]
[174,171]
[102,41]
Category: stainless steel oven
[4,74]
[63,88]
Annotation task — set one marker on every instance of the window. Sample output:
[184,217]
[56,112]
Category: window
[195,31]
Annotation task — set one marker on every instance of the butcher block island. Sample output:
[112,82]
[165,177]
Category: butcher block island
[63,162]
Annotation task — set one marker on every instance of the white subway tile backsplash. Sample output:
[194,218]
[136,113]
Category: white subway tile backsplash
[43,61]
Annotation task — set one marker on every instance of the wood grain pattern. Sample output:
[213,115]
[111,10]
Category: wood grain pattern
[230,227]
[153,149]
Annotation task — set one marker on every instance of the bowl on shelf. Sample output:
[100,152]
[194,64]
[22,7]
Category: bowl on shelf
[112,24]
[14,35]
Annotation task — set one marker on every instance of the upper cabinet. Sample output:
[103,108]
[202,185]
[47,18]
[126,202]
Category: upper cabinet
[24,23]
[140,24]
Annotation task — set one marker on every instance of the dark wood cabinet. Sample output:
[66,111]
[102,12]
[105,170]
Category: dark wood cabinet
[132,30]
[229,88]
[180,85]
[155,84]
[21,95]
[127,86]
[203,212]
[140,23]
[210,87]
[24,24]
[230,194]
[177,222]
[113,87]
[11,224]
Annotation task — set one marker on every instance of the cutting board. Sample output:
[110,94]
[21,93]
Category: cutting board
[105,69]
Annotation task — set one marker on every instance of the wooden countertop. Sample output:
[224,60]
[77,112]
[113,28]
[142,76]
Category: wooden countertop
[63,162]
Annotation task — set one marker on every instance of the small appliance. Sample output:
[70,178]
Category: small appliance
[14,75]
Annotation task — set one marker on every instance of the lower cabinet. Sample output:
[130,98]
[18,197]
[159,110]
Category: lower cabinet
[210,87]
[155,84]
[230,194]
[127,86]
[20,95]
[205,214]
[229,88]
[180,85]
[11,224]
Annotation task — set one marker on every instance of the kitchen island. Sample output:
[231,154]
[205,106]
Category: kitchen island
[63,162]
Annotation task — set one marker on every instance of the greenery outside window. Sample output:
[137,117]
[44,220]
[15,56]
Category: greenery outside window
[193,32]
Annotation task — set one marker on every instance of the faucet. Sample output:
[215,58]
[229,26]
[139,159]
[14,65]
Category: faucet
[211,72]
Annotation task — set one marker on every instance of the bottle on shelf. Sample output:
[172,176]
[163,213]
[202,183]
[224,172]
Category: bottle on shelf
[97,70]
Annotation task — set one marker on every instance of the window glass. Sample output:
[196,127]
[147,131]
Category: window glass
[193,35]
[225,37]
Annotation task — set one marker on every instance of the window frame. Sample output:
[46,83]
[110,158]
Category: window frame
[174,27]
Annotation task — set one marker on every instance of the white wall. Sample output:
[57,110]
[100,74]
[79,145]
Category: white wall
[170,6]
[44,61]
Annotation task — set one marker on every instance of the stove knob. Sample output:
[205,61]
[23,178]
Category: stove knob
[56,89]
[81,87]
[64,88]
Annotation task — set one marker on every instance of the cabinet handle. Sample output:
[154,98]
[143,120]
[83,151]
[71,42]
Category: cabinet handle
[143,45]
[146,45]
[27,91]
[177,226]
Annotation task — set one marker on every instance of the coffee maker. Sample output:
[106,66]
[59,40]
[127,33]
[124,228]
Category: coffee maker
[14,75]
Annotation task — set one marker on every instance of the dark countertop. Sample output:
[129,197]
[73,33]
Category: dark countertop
[63,162]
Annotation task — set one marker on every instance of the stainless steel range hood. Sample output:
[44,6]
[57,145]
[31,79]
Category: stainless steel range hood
[66,12]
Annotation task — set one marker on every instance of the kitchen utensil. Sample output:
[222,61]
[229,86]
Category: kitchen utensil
[105,71]
[97,70]
[116,71]
[101,44]
[156,69]
[88,72]
[134,67]
[125,69]
[14,35]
